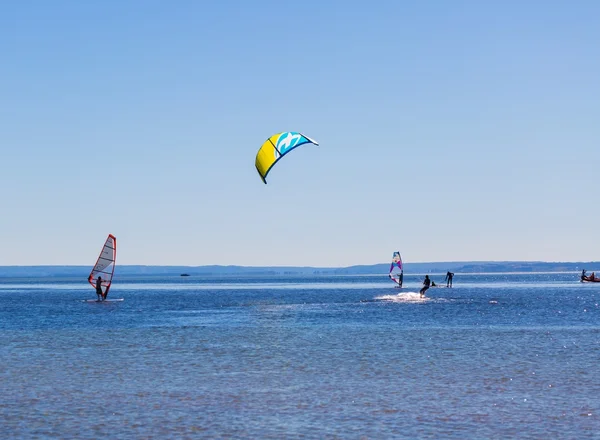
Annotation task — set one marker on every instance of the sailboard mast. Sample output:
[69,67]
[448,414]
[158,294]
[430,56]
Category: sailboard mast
[105,265]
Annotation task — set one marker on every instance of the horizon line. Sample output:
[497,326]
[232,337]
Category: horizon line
[308,266]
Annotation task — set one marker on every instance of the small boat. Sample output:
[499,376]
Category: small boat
[589,278]
[184,275]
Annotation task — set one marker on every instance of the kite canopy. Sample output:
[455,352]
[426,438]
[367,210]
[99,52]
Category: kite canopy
[275,148]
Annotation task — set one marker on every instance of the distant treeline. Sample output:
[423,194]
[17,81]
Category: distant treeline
[383,268]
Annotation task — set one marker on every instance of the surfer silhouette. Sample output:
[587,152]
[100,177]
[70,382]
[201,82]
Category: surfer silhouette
[101,295]
[426,284]
[449,276]
[397,281]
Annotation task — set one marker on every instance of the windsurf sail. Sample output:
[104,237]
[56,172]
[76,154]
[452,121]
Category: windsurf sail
[275,148]
[105,265]
[396,270]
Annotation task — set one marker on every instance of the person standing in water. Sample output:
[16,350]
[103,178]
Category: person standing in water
[449,276]
[426,284]
[99,293]
[397,281]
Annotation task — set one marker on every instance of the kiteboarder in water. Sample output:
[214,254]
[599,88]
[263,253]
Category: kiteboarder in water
[449,276]
[426,284]
[101,295]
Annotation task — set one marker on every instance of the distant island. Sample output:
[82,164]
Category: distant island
[381,268]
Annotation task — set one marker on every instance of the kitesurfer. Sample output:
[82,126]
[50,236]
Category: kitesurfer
[426,284]
[448,279]
[99,293]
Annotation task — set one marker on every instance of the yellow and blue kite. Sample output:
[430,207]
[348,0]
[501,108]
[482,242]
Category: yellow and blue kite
[275,148]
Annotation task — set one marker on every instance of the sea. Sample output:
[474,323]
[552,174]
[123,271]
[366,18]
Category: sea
[497,356]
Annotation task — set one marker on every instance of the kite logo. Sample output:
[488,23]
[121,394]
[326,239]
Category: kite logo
[287,141]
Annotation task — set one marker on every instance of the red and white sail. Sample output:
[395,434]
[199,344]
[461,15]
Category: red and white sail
[105,265]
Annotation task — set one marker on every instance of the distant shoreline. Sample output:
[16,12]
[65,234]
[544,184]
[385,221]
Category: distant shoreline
[381,268]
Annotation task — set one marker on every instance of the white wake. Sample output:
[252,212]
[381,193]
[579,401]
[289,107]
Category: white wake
[403,297]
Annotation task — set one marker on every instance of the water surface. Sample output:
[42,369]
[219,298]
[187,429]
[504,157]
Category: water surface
[497,356]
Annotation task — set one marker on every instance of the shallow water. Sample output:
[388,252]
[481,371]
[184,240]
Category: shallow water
[497,356]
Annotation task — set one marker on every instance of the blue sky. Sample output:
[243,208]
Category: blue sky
[461,130]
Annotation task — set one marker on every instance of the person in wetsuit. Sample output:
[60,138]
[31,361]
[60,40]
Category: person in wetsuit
[99,289]
[397,281]
[583,275]
[449,276]
[426,284]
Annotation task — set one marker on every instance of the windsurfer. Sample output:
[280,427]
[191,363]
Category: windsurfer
[426,284]
[448,279]
[396,273]
[99,293]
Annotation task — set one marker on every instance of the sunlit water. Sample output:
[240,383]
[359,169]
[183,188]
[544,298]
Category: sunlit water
[497,356]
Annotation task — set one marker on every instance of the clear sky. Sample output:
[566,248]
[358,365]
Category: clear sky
[449,130]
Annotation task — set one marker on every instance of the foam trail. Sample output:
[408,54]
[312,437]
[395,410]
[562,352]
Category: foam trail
[403,297]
